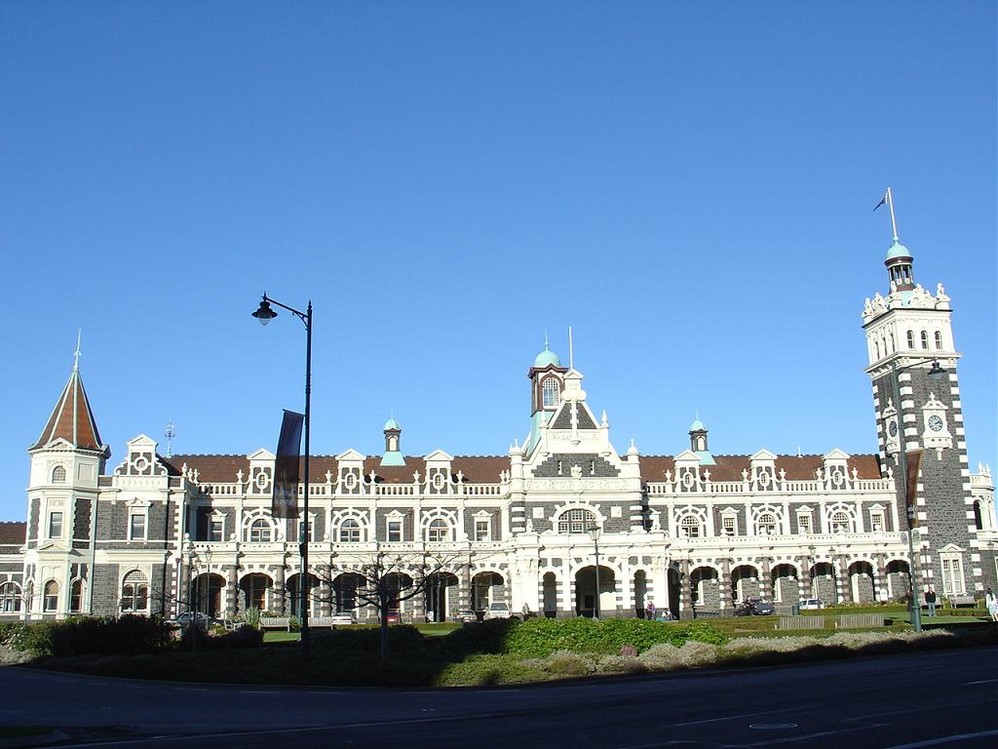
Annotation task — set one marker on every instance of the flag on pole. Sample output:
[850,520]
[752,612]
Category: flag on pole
[285,502]
[883,201]
[914,461]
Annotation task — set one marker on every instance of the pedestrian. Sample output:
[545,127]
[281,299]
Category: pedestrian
[930,600]
[650,610]
[992,603]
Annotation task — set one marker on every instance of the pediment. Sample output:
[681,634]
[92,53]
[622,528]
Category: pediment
[141,443]
[438,456]
[836,454]
[763,454]
[261,454]
[350,455]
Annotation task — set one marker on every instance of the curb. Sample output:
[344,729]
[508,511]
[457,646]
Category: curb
[40,739]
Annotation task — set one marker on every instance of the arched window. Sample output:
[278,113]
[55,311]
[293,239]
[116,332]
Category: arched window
[10,598]
[911,339]
[550,392]
[576,521]
[690,527]
[438,530]
[76,596]
[939,341]
[59,475]
[925,340]
[50,602]
[260,532]
[767,524]
[841,523]
[351,532]
[134,592]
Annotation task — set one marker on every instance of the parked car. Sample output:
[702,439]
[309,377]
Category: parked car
[465,616]
[201,620]
[393,617]
[810,604]
[498,610]
[754,606]
[344,617]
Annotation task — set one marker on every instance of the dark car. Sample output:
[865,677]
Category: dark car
[754,606]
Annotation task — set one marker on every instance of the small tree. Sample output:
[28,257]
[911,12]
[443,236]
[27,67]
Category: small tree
[386,579]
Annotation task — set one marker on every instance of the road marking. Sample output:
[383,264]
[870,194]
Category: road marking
[733,717]
[945,740]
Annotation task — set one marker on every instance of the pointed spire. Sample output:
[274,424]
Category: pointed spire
[72,418]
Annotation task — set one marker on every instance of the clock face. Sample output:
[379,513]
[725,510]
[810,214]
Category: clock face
[893,429]
[935,423]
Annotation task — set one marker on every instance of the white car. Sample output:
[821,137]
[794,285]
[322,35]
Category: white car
[498,610]
[811,604]
[343,617]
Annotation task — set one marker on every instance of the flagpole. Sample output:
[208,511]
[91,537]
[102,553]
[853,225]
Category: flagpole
[890,204]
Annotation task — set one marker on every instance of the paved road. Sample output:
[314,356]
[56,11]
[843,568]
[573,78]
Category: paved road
[946,698]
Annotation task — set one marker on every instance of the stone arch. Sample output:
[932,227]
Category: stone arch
[487,587]
[705,588]
[862,582]
[786,583]
[744,582]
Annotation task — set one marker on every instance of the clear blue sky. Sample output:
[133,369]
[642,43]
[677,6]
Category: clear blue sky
[689,186]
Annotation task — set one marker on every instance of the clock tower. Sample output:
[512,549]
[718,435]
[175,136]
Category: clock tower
[908,332]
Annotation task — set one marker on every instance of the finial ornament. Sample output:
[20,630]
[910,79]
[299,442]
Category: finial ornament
[77,354]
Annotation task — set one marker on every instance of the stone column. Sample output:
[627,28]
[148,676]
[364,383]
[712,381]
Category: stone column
[232,604]
[766,580]
[727,605]
[842,583]
[685,599]
[279,593]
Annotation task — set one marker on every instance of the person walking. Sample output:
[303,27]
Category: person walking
[650,610]
[930,600]
[992,603]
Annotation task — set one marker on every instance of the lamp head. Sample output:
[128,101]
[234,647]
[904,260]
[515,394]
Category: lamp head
[936,372]
[264,314]
[593,531]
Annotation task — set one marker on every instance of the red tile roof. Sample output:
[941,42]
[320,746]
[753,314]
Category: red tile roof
[483,469]
[72,419]
[13,534]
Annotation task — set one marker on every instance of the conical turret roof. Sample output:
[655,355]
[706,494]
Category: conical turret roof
[72,419]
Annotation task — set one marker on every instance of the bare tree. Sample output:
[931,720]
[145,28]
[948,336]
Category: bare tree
[386,578]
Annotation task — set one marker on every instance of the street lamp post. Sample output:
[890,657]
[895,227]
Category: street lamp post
[935,372]
[810,570]
[265,314]
[207,601]
[593,531]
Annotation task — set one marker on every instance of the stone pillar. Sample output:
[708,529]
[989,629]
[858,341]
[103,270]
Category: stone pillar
[326,594]
[685,599]
[766,580]
[727,605]
[232,603]
[279,593]
[842,582]
[880,590]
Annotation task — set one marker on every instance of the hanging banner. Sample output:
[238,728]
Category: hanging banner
[285,503]
[914,462]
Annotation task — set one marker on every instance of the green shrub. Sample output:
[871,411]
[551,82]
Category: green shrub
[125,635]
[537,638]
[487,638]
[491,670]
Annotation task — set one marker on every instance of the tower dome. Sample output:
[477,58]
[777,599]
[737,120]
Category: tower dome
[546,358]
[392,424]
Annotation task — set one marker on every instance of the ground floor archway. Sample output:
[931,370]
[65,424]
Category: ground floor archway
[589,585]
